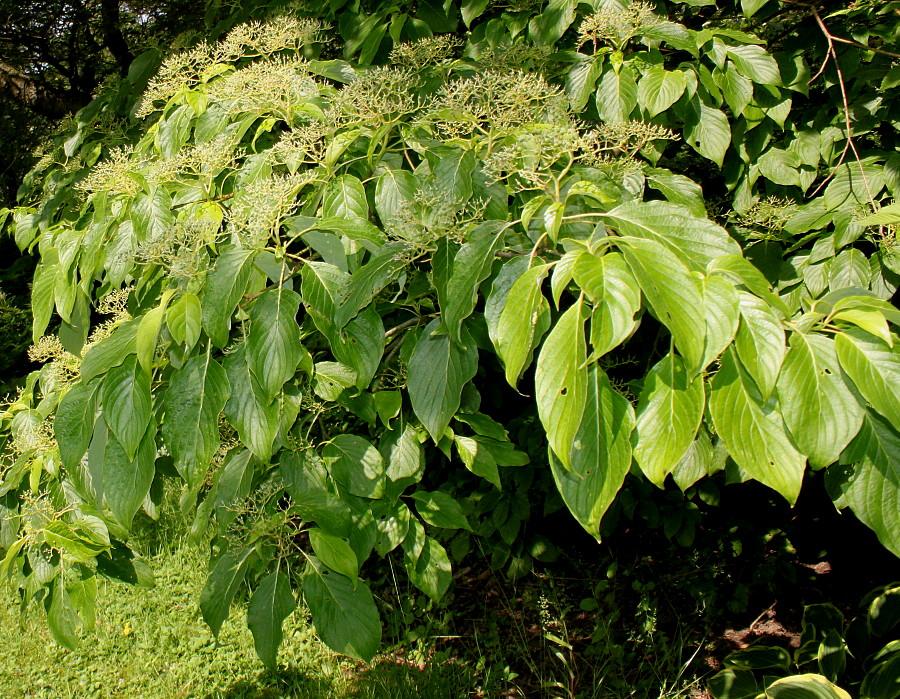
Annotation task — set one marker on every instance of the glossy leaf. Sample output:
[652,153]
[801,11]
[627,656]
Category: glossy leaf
[356,464]
[522,322]
[127,404]
[273,345]
[223,583]
[760,342]
[874,368]
[225,286]
[271,603]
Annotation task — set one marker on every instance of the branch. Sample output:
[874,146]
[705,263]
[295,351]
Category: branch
[112,34]
[36,96]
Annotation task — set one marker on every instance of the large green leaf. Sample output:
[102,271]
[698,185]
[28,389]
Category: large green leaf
[110,351]
[675,295]
[394,196]
[271,603]
[127,478]
[471,266]
[659,89]
[819,409]
[273,345]
[360,345]
[755,437]
[126,403]
[600,455]
[344,196]
[368,281]
[426,561]
[874,367]
[760,342]
[524,319]
[223,583]
[439,509]
[74,423]
[668,416]
[755,63]
[709,133]
[694,240]
[561,382]
[62,618]
[334,553]
[356,464]
[873,490]
[225,285]
[807,686]
[345,614]
[617,94]
[581,79]
[721,306]
[438,370]
[193,402]
[254,417]
[614,294]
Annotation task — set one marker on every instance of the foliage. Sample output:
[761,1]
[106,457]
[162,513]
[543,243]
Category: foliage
[862,656]
[302,286]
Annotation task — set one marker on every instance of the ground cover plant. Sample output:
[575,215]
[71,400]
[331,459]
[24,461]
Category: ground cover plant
[395,296]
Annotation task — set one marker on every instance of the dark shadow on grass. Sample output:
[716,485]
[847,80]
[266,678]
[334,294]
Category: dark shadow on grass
[289,682]
[398,679]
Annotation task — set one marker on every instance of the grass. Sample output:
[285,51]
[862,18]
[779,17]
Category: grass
[152,643]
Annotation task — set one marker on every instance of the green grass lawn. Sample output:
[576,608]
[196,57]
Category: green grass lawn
[153,643]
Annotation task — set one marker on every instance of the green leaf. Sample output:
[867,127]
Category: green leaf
[780,166]
[751,7]
[438,370]
[737,89]
[196,396]
[669,413]
[273,344]
[678,189]
[852,183]
[344,614]
[874,367]
[110,351]
[127,477]
[126,403]
[722,309]
[581,79]
[344,196]
[760,342]
[453,174]
[426,561]
[225,285]
[561,382]
[755,63]
[335,553]
[614,294]
[617,95]
[708,132]
[755,438]
[42,298]
[659,89]
[440,510]
[73,541]
[183,318]
[223,583]
[471,266]
[368,281]
[522,322]
[361,345]
[395,194]
[356,464]
[547,28]
[74,423]
[271,603]
[478,459]
[62,618]
[819,409]
[254,417]
[675,296]
[695,241]
[807,686]
[600,454]
[331,378]
[873,490]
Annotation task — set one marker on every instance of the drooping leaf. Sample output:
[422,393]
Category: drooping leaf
[659,89]
[617,94]
[426,561]
[439,509]
[615,295]
[225,284]
[561,382]
[819,409]
[273,345]
[709,133]
[271,603]
[675,296]
[356,464]
[755,437]
[127,404]
[523,321]
[334,553]
[127,478]
[345,614]
[74,423]
[668,416]
[368,281]
[721,306]
[600,455]
[874,367]
[438,370]
[253,416]
[760,342]
[196,395]
[223,583]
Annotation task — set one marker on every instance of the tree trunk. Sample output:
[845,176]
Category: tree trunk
[36,96]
